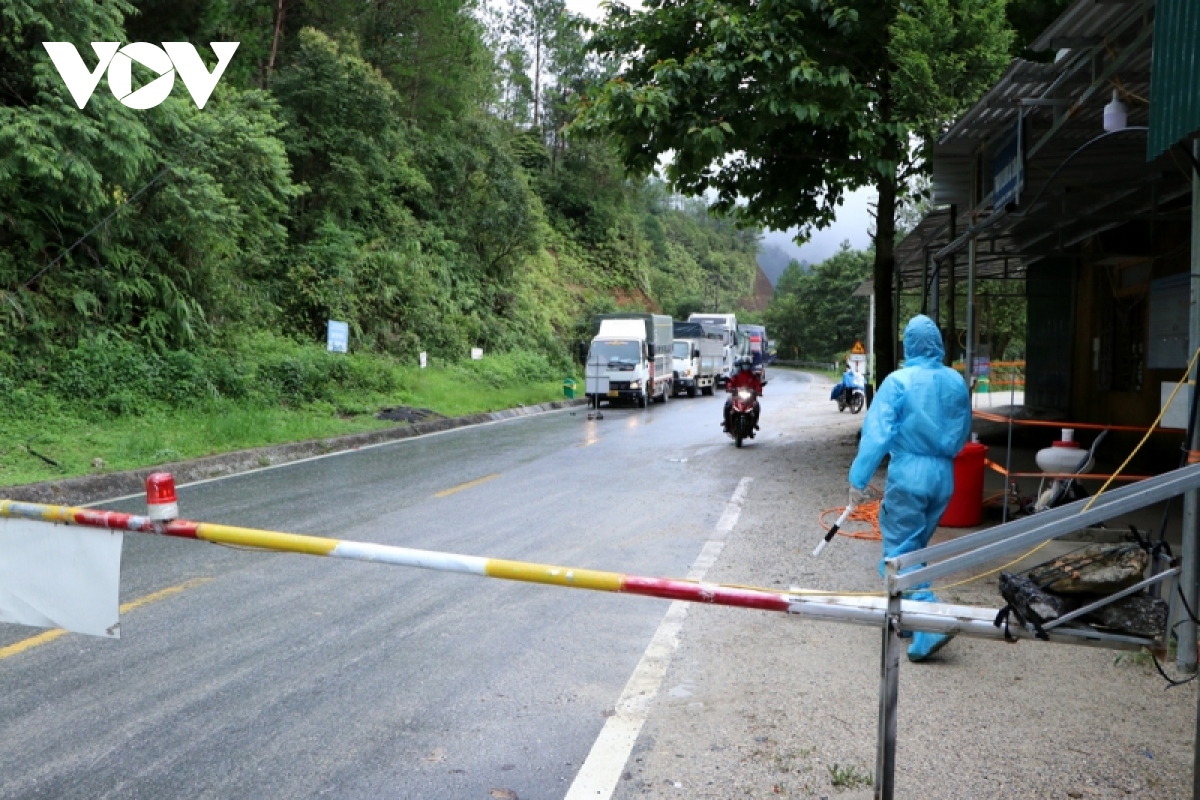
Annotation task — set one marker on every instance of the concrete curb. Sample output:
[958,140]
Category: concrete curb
[90,488]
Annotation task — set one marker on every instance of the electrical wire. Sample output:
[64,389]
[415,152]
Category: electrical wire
[93,229]
[1153,425]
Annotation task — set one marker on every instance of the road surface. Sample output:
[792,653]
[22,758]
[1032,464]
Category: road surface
[277,675]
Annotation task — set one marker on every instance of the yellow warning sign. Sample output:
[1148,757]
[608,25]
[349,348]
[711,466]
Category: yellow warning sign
[858,349]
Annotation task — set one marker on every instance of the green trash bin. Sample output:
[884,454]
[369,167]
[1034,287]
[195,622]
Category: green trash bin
[569,388]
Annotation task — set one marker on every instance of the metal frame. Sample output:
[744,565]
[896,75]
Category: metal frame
[982,547]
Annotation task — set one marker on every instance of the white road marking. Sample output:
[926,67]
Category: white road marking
[599,774]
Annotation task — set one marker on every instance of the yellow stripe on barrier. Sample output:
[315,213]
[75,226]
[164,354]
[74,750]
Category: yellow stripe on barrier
[266,540]
[555,576]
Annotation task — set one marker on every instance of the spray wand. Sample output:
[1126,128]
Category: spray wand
[833,531]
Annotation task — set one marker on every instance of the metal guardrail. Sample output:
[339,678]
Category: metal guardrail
[824,366]
[1004,540]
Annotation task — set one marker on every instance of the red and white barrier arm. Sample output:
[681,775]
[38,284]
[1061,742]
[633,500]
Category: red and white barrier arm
[668,588]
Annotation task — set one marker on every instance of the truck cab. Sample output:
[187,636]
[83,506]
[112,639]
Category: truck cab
[629,359]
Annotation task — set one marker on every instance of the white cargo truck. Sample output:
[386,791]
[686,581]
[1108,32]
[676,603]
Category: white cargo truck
[732,341]
[630,359]
[699,358]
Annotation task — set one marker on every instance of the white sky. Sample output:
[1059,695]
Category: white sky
[853,220]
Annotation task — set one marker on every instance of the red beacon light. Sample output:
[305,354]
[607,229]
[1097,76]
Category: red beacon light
[161,503]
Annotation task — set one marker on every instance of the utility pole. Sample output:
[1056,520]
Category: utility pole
[1185,655]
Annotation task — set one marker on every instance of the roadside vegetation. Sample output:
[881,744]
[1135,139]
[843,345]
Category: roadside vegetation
[111,406]
[406,172]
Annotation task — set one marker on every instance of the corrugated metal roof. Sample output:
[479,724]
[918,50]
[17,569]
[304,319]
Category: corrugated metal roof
[1176,75]
[1070,194]
[1085,23]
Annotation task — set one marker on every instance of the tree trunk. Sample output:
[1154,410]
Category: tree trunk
[537,73]
[280,14]
[884,274]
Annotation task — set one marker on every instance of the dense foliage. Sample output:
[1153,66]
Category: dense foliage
[814,315]
[401,167]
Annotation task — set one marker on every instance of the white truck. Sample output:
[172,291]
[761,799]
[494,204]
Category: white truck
[630,358]
[699,358]
[728,325]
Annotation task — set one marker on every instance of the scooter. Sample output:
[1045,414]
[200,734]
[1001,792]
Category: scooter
[852,398]
[741,416]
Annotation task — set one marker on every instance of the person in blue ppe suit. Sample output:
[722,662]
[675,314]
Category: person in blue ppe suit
[921,417]
[851,379]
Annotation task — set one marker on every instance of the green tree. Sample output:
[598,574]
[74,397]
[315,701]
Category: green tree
[149,224]
[782,106]
[814,315]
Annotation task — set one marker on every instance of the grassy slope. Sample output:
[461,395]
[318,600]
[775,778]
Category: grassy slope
[131,442]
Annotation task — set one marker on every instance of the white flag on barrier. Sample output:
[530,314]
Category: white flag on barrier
[60,576]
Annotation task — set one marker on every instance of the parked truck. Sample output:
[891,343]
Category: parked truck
[754,338]
[728,325]
[699,358]
[630,358]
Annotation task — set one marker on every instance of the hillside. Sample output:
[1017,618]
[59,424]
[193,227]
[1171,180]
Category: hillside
[410,175]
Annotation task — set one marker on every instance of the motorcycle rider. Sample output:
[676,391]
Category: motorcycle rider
[743,378]
[852,380]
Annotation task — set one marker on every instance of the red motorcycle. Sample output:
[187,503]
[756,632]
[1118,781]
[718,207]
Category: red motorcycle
[742,415]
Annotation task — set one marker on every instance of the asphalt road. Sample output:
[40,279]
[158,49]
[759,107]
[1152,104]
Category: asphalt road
[279,675]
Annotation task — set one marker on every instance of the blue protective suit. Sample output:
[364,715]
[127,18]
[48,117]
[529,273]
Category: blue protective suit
[921,416]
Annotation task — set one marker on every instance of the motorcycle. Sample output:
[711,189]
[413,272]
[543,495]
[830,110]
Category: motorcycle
[741,415]
[849,394]
[852,398]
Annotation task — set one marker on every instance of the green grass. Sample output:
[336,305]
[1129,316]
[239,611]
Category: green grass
[848,777]
[74,437]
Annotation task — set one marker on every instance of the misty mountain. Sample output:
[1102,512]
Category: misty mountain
[774,259]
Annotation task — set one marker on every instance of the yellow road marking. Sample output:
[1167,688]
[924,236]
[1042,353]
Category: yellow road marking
[162,594]
[50,636]
[467,485]
[29,644]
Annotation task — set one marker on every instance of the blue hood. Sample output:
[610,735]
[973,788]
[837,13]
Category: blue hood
[922,343]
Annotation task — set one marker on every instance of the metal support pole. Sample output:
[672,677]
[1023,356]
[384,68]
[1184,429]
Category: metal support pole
[889,693]
[935,294]
[1185,655]
[925,284]
[871,341]
[951,310]
[896,322]
[969,365]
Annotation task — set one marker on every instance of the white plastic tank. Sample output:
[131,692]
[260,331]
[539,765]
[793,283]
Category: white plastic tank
[1063,456]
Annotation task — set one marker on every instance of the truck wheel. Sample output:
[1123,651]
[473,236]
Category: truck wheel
[642,400]
[692,390]
[707,391]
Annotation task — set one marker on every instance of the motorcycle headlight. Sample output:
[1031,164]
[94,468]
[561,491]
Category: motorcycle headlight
[745,394]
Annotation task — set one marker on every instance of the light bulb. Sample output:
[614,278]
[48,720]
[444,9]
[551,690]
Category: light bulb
[1115,115]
